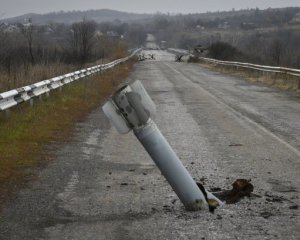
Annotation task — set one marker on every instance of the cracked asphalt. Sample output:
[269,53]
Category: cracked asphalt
[102,185]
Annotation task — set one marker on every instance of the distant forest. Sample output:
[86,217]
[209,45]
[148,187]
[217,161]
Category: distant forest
[30,52]
[98,16]
[269,36]
[35,47]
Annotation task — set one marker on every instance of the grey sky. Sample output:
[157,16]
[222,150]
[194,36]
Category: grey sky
[10,8]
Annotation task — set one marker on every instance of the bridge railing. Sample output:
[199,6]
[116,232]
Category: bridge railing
[14,97]
[279,76]
[284,70]
[288,77]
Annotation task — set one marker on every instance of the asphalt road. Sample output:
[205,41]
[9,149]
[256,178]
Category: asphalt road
[102,185]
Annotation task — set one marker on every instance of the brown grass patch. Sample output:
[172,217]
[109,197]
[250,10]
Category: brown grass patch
[26,75]
[280,81]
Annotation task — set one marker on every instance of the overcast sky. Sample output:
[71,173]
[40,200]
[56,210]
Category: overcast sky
[9,8]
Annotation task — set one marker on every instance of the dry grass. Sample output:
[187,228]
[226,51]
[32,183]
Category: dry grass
[280,81]
[26,75]
[120,52]
[27,130]
[20,76]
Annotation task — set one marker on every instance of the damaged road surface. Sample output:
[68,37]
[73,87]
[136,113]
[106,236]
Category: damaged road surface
[102,185]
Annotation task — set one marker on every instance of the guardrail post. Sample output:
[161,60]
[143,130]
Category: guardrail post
[7,113]
[130,109]
[31,102]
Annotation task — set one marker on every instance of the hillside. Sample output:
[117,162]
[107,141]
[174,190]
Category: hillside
[258,17]
[262,36]
[102,15]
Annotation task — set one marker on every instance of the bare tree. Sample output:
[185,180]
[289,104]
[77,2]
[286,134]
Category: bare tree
[81,39]
[2,46]
[276,51]
[27,30]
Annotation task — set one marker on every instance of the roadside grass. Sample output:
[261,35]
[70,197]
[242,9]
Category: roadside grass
[25,75]
[276,80]
[27,130]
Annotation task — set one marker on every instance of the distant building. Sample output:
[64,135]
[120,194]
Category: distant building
[224,25]
[99,34]
[113,34]
[247,25]
[27,25]
[199,27]
[9,28]
[3,26]
[296,19]
[163,44]
[48,30]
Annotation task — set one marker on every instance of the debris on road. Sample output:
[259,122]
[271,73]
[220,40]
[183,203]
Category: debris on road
[241,188]
[212,203]
[266,215]
[293,207]
[235,145]
[152,56]
[178,58]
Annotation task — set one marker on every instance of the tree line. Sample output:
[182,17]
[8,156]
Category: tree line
[270,37]
[25,47]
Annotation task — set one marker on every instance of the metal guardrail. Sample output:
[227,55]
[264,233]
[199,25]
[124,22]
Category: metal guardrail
[284,70]
[16,96]
[178,51]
